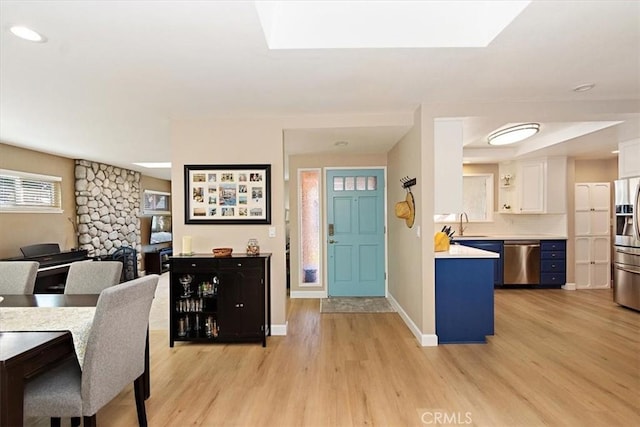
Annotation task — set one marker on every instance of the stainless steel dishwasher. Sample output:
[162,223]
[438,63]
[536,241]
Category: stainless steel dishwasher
[521,262]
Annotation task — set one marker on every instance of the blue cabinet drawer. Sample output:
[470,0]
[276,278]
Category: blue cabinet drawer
[552,278]
[553,266]
[552,254]
[553,245]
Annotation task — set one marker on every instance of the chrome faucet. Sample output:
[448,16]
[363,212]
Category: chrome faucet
[461,228]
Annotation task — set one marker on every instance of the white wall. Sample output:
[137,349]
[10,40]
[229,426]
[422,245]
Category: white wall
[411,256]
[233,141]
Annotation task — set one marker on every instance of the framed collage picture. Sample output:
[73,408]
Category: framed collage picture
[227,194]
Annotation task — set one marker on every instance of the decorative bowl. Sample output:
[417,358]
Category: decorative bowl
[220,252]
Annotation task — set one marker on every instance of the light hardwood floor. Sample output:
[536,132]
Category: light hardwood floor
[558,358]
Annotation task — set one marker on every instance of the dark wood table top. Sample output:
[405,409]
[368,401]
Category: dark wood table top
[62,300]
[49,300]
[13,344]
[22,356]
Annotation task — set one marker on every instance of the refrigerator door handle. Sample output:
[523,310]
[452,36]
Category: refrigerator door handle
[636,214]
[627,270]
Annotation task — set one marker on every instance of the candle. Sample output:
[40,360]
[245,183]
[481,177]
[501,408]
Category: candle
[186,245]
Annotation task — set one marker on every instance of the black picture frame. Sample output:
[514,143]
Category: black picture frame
[227,194]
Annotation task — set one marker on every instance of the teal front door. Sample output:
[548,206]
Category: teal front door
[355,232]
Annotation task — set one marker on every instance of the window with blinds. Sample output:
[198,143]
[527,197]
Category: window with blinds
[29,192]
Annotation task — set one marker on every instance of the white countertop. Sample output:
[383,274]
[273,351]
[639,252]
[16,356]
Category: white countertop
[510,237]
[460,251]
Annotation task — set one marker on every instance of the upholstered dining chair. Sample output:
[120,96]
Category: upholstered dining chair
[18,277]
[114,358]
[92,277]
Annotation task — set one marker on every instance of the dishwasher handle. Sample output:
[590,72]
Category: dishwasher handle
[527,243]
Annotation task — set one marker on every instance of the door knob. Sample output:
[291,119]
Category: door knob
[333,241]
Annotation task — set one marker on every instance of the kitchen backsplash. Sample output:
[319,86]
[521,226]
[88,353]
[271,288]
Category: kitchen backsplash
[509,224]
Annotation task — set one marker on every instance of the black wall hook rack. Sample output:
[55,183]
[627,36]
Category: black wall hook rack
[407,182]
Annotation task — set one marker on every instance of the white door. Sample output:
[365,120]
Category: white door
[600,197]
[592,242]
[583,262]
[601,267]
[592,209]
[593,269]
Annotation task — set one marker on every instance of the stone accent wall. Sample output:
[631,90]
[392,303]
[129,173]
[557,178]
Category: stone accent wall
[107,208]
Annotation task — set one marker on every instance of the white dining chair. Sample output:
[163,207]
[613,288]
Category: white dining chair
[18,277]
[114,358]
[92,277]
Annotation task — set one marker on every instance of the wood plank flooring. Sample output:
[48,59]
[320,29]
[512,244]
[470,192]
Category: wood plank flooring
[558,358]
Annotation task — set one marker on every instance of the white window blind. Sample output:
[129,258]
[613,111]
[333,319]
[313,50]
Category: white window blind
[29,192]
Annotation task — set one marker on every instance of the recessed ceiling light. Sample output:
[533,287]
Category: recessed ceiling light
[341,143]
[513,134]
[584,88]
[154,165]
[27,34]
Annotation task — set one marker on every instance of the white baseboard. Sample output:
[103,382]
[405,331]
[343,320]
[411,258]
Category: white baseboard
[592,287]
[308,294]
[279,330]
[569,287]
[425,340]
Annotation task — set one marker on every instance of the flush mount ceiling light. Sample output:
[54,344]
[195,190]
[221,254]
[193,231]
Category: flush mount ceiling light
[513,134]
[27,34]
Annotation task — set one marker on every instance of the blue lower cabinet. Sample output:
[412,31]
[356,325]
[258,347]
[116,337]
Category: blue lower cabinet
[553,262]
[496,246]
[464,300]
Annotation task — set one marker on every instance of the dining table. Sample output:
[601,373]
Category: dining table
[37,332]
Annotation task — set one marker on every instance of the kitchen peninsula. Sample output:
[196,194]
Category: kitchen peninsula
[464,294]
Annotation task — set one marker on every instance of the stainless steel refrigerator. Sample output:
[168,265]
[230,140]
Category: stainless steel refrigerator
[626,255]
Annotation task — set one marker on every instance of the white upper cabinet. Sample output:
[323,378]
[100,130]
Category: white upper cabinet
[448,166]
[592,211]
[533,186]
[629,159]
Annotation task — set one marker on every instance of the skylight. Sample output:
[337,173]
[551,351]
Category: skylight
[154,165]
[384,24]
